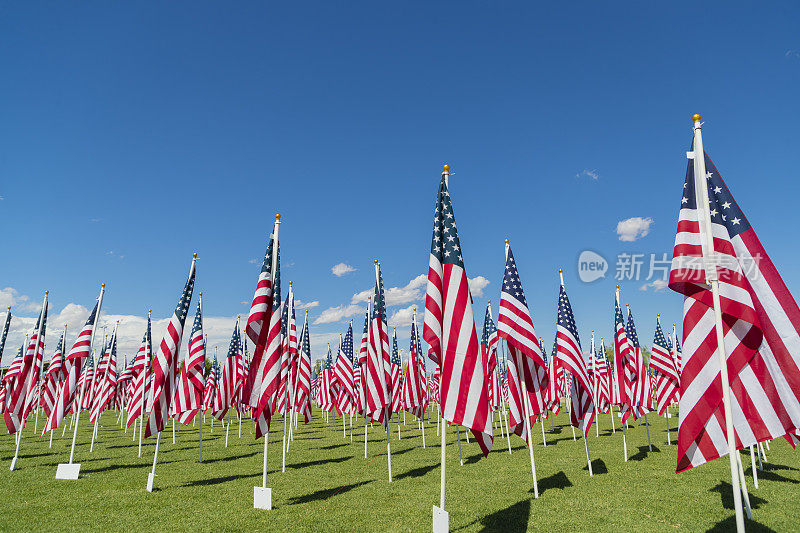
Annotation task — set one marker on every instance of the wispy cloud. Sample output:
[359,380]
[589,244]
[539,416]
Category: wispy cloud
[341,269]
[1,198]
[94,220]
[253,261]
[338,313]
[299,305]
[794,53]
[590,173]
[112,253]
[657,285]
[633,228]
[477,284]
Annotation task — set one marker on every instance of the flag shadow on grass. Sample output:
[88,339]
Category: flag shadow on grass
[514,518]
[598,467]
[726,495]
[319,462]
[642,453]
[333,446]
[558,480]
[218,480]
[729,524]
[230,457]
[324,494]
[117,466]
[417,472]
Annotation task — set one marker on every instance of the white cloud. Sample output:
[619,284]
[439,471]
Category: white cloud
[18,302]
[793,53]
[340,312]
[657,285]
[402,317]
[590,173]
[477,284]
[94,220]
[397,295]
[633,228]
[253,261]
[112,253]
[341,269]
[1,198]
[298,304]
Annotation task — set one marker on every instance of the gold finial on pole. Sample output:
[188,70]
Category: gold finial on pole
[446,168]
[506,241]
[695,118]
[277,217]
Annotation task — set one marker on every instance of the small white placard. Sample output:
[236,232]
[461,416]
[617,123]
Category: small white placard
[441,520]
[150,479]
[68,471]
[262,498]
[689,155]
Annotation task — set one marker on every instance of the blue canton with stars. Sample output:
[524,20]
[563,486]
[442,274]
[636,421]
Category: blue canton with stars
[511,282]
[233,348]
[631,330]
[659,339]
[395,352]
[445,244]
[347,345]
[379,300]
[565,317]
[724,209]
[489,328]
[186,298]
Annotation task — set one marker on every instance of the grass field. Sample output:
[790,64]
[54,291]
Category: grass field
[329,486]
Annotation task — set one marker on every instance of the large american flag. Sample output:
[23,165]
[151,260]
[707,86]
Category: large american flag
[189,394]
[761,328]
[667,377]
[450,329]
[165,363]
[73,364]
[258,329]
[525,359]
[570,357]
[344,374]
[378,356]
[624,366]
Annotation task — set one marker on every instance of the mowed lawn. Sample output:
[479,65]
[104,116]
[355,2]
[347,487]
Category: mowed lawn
[329,486]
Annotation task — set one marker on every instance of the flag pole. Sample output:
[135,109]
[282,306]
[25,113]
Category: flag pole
[205,343]
[596,391]
[363,375]
[710,268]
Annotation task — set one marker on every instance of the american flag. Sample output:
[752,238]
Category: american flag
[570,356]
[5,332]
[667,377]
[303,398]
[210,390]
[516,327]
[378,378]
[326,399]
[603,379]
[489,340]
[360,372]
[761,324]
[105,381]
[189,394]
[226,381]
[344,373]
[258,330]
[141,369]
[641,388]
[450,331]
[287,316]
[73,365]
[52,379]
[21,397]
[396,375]
[624,366]
[675,350]
[165,363]
[415,386]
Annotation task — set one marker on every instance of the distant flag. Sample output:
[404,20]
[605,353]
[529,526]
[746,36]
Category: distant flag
[642,389]
[570,356]
[668,381]
[210,390]
[414,386]
[5,332]
[189,393]
[303,394]
[450,331]
[396,375]
[141,368]
[20,397]
[52,379]
[624,364]
[107,380]
[165,363]
[378,377]
[226,381]
[344,374]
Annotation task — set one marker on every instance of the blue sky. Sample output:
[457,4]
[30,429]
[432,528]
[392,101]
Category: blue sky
[133,135]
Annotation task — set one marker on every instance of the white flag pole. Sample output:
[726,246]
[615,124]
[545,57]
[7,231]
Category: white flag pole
[262,496]
[71,470]
[710,268]
[202,416]
[596,391]
[363,375]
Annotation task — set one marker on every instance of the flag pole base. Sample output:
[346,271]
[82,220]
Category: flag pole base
[151,477]
[68,471]
[13,464]
[262,498]
[441,520]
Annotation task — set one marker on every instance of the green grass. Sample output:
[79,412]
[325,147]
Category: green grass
[329,486]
